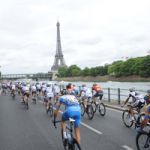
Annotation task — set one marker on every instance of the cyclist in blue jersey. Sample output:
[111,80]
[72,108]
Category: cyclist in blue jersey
[72,111]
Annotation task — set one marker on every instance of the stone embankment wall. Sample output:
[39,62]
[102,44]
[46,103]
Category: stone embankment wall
[106,78]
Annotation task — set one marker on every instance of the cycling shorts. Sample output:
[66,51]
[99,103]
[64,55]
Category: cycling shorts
[33,92]
[73,112]
[138,104]
[97,94]
[26,94]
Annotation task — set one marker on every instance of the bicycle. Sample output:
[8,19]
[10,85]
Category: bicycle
[88,108]
[98,105]
[13,94]
[25,100]
[70,143]
[50,108]
[143,140]
[126,117]
[4,91]
[34,97]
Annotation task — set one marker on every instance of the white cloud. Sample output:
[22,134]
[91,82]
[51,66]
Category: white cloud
[92,32]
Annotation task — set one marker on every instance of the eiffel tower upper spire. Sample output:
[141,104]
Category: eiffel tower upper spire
[59,60]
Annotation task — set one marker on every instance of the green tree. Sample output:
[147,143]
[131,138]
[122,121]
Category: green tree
[62,72]
[115,68]
[73,70]
[145,67]
[85,72]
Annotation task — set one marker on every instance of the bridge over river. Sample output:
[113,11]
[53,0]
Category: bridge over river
[37,76]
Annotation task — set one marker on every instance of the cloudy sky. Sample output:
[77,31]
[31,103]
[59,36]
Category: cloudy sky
[93,32]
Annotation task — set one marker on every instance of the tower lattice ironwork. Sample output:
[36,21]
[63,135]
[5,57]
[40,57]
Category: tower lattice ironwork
[59,59]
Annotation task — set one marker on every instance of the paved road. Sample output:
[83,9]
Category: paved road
[32,129]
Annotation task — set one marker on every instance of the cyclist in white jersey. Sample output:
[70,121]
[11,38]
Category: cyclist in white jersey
[86,94]
[43,88]
[26,92]
[33,91]
[137,101]
[56,91]
[38,86]
[49,95]
[13,88]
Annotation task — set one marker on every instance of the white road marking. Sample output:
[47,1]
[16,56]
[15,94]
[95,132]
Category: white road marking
[40,101]
[89,127]
[127,147]
[92,129]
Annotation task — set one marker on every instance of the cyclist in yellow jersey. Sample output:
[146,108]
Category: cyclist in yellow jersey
[146,110]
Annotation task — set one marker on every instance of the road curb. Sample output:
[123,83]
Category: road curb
[114,107]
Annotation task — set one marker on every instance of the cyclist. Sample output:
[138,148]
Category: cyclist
[48,96]
[85,94]
[146,110]
[13,89]
[137,101]
[76,90]
[72,111]
[38,86]
[43,89]
[26,92]
[70,89]
[56,91]
[4,87]
[97,92]
[33,91]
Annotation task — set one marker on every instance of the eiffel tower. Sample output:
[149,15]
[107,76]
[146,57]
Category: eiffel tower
[59,59]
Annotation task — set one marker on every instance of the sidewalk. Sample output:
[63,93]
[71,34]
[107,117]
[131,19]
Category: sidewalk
[113,104]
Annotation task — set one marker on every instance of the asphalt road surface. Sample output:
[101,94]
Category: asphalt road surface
[32,129]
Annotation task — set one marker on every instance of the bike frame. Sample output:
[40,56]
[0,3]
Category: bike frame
[69,128]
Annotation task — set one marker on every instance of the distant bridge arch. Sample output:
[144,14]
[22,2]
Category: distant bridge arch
[37,76]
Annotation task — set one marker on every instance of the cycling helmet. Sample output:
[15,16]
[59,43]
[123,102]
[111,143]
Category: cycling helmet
[83,85]
[69,86]
[132,89]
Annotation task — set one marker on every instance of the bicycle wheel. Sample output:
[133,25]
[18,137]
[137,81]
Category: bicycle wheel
[126,117]
[74,145]
[13,96]
[94,107]
[34,100]
[27,105]
[82,109]
[143,141]
[90,111]
[139,119]
[51,110]
[102,109]
[66,145]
